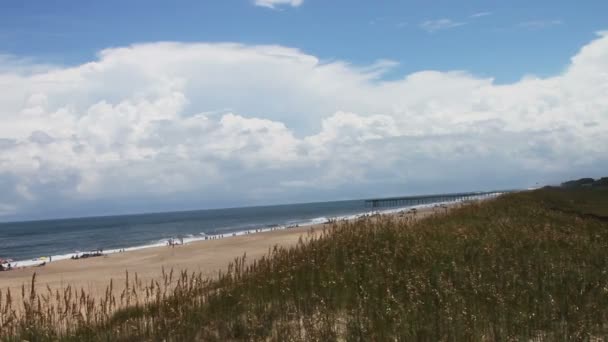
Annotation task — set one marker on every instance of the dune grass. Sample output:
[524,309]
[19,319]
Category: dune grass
[530,265]
[580,201]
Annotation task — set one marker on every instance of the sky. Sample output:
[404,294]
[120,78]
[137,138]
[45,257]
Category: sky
[114,107]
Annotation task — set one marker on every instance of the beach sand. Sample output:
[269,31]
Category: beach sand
[208,257]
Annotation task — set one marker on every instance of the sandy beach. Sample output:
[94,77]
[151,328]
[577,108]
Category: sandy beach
[208,257]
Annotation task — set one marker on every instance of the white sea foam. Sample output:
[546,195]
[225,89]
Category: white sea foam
[190,238]
[316,220]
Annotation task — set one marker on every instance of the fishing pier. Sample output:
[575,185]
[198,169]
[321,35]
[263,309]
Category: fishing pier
[407,201]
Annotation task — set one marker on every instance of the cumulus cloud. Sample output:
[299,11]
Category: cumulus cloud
[175,125]
[439,24]
[276,3]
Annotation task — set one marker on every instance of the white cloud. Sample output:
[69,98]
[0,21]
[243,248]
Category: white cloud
[480,14]
[133,130]
[439,24]
[7,209]
[276,3]
[540,24]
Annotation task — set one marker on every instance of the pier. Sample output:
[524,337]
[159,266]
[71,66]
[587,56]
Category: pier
[406,201]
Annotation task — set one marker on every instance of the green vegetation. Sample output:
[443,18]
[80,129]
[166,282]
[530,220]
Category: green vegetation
[529,265]
[583,201]
[586,182]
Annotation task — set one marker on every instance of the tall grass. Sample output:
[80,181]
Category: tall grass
[514,268]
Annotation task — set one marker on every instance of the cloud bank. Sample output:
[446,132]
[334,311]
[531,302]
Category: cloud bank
[169,125]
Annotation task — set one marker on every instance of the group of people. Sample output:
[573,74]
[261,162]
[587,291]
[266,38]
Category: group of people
[5,264]
[174,242]
[93,254]
[45,260]
[180,241]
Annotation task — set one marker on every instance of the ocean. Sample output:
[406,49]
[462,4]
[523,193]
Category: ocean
[28,242]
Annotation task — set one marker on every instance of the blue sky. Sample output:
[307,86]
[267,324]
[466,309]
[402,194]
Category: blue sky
[113,107]
[69,32]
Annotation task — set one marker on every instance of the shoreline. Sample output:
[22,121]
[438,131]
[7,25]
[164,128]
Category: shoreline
[189,238]
[205,256]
